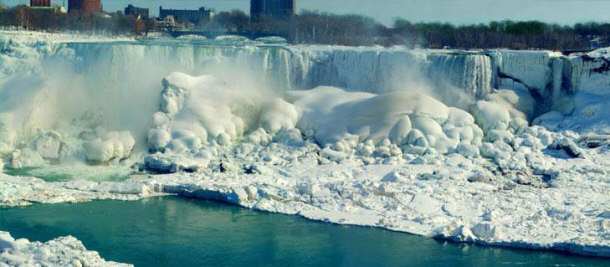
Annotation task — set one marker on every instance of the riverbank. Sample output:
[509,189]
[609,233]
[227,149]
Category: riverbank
[174,231]
[442,200]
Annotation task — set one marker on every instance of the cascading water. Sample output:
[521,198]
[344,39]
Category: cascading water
[360,69]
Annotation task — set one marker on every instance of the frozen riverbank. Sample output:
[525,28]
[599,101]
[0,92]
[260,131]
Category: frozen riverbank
[173,231]
[453,197]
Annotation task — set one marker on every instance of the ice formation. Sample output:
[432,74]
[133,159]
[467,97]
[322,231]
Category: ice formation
[62,251]
[495,147]
[199,110]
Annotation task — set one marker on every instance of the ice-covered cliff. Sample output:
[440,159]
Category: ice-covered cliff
[546,75]
[114,86]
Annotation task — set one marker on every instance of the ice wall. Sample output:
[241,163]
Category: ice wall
[589,73]
[116,85]
[546,75]
[295,67]
[372,69]
[540,73]
[380,70]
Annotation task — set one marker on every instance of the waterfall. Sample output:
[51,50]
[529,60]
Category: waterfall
[358,69]
[129,71]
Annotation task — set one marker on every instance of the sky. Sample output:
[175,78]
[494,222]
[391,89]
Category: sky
[385,11]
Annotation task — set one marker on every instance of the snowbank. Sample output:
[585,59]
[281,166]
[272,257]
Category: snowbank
[333,114]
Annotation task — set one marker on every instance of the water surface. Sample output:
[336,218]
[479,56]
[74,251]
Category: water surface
[61,173]
[171,231]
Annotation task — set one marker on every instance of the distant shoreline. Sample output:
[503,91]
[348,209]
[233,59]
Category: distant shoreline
[326,29]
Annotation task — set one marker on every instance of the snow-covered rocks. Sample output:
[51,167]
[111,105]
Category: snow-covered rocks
[61,251]
[171,163]
[589,73]
[568,146]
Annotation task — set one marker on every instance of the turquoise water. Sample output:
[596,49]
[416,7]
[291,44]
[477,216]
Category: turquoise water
[30,171]
[63,174]
[172,231]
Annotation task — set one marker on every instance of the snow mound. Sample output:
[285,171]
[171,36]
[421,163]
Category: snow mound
[404,118]
[519,104]
[111,145]
[204,110]
[490,116]
[200,111]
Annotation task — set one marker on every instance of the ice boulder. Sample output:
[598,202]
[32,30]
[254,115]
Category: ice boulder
[204,106]
[109,146]
[278,114]
[48,145]
[468,151]
[24,157]
[490,115]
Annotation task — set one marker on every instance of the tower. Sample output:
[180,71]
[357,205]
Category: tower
[40,3]
[85,6]
[277,9]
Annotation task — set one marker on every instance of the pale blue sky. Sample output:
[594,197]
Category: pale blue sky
[455,11]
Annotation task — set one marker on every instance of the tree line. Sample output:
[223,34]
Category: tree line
[323,28]
[22,17]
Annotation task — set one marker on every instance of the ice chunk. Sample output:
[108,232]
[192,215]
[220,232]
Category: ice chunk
[490,116]
[111,145]
[49,145]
